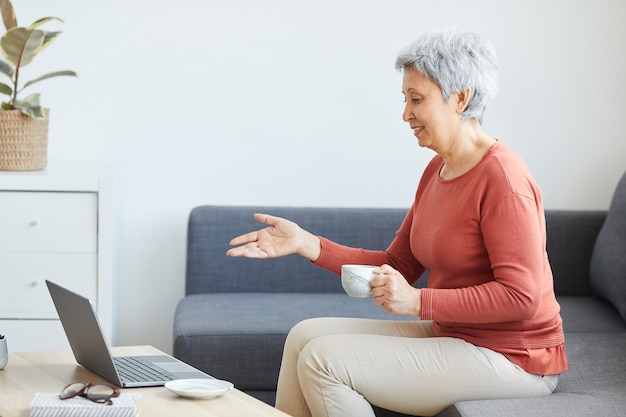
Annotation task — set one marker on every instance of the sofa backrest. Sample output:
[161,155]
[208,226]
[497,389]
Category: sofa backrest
[608,262]
[211,228]
[571,237]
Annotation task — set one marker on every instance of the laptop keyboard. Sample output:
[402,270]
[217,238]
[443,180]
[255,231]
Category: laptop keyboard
[137,370]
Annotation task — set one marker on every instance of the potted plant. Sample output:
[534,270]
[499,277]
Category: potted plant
[23,122]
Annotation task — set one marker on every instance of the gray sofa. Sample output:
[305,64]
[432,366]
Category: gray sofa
[235,316]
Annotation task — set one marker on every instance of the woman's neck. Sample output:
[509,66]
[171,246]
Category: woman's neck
[465,151]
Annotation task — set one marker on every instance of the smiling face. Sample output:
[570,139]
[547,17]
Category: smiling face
[434,121]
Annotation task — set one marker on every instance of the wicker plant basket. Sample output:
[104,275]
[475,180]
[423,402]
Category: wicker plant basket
[23,141]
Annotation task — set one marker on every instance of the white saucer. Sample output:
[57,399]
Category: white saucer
[199,388]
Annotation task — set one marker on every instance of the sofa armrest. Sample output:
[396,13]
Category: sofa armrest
[571,237]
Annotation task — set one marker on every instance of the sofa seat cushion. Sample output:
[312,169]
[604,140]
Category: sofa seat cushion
[594,385]
[589,315]
[239,337]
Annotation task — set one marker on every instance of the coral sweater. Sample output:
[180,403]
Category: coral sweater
[482,236]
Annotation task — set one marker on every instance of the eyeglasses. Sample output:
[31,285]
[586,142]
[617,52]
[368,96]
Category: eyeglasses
[97,393]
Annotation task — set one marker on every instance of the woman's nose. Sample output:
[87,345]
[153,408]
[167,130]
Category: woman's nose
[407,114]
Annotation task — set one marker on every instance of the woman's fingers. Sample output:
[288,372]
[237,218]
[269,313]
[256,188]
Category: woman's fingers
[248,237]
[250,250]
[265,219]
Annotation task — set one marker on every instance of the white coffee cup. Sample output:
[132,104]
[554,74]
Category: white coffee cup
[355,280]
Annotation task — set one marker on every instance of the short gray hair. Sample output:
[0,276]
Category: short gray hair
[456,60]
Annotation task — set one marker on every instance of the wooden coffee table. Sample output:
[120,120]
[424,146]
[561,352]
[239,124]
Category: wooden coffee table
[30,372]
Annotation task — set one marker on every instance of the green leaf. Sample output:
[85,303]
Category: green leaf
[50,75]
[47,40]
[23,44]
[8,14]
[5,89]
[30,106]
[7,106]
[6,69]
[43,20]
[20,45]
[36,112]
[30,101]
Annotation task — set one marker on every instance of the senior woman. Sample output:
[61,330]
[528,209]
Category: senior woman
[490,325]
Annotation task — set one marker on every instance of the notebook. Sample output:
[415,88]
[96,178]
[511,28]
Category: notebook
[91,350]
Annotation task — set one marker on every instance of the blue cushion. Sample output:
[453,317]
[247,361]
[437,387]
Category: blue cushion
[571,237]
[240,336]
[589,315]
[211,228]
[608,262]
[594,385]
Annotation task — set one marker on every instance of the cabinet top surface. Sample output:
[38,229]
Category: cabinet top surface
[59,175]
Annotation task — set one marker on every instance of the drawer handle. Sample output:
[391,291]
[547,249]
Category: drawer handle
[34,222]
[34,283]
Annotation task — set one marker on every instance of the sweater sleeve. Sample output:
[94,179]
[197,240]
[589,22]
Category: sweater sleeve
[334,255]
[398,255]
[513,238]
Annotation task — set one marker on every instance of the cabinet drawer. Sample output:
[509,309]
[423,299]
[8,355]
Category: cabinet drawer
[48,222]
[30,335]
[23,291]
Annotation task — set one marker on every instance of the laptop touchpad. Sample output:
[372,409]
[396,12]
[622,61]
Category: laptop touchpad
[173,367]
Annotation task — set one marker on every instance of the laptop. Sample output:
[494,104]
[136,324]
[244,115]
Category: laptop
[91,350]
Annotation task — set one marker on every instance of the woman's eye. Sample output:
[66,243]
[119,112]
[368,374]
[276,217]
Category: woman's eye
[414,100]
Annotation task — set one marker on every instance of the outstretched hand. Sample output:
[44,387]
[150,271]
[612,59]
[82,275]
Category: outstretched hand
[282,237]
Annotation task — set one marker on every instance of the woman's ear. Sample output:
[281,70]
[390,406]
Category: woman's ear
[462,99]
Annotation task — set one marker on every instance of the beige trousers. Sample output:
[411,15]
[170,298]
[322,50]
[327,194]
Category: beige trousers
[338,366]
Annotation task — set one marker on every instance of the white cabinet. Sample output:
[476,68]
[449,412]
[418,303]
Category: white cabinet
[55,224]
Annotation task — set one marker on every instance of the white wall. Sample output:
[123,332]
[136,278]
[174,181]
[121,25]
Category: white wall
[288,102]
